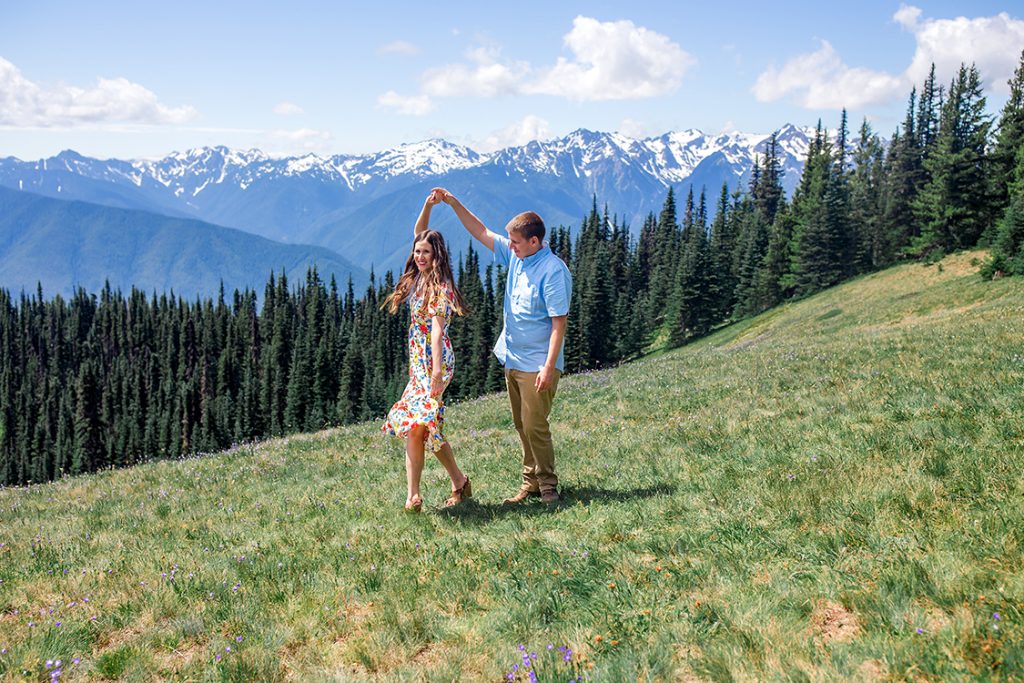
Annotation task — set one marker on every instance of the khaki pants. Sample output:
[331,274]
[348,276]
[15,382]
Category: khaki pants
[530,410]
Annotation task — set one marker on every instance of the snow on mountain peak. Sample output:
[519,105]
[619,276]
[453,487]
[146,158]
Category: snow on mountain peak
[668,159]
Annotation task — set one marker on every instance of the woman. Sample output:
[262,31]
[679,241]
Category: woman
[418,417]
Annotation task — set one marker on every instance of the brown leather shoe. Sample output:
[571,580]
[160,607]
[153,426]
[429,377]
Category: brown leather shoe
[521,496]
[550,496]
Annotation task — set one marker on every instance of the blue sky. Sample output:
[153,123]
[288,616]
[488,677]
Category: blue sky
[118,79]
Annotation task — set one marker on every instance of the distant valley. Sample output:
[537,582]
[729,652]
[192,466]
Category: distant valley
[62,245]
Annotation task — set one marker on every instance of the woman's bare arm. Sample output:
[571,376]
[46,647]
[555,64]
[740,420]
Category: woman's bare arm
[423,222]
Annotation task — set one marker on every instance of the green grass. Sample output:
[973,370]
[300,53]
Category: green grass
[830,491]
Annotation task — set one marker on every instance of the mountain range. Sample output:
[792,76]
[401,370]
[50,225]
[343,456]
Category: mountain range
[62,245]
[363,206]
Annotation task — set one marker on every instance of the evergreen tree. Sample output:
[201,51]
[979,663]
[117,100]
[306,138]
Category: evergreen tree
[818,248]
[1008,247]
[903,178]
[870,242]
[952,207]
[690,312]
[722,283]
[1009,140]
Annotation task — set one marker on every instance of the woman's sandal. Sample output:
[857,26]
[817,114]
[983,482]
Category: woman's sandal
[466,491]
[414,504]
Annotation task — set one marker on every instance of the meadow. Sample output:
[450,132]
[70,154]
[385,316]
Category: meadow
[833,490]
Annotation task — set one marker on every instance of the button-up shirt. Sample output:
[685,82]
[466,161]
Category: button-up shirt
[537,289]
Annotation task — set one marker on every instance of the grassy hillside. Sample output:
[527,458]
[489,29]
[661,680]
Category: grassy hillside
[833,490]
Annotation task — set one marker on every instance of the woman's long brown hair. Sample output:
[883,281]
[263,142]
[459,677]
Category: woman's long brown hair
[439,275]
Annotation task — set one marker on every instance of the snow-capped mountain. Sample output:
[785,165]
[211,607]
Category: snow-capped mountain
[364,205]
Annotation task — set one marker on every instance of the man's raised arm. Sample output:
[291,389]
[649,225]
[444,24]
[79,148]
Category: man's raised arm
[472,224]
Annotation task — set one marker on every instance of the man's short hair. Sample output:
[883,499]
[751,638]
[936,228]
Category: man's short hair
[527,224]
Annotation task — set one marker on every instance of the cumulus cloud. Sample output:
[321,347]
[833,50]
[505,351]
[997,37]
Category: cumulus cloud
[907,15]
[610,61]
[409,105]
[485,76]
[25,103]
[821,80]
[399,47]
[994,44]
[288,109]
[613,61]
[632,128]
[521,132]
[307,139]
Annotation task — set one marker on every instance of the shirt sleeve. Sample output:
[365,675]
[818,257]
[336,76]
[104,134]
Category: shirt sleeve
[502,254]
[557,291]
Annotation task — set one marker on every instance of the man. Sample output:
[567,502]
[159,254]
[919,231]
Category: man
[537,293]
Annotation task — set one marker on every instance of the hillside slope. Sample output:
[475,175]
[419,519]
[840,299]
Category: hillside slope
[830,491]
[70,244]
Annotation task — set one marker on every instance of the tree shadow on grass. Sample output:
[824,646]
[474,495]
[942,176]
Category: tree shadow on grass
[475,512]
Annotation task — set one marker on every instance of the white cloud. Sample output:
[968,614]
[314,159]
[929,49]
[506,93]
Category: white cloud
[521,132]
[117,100]
[288,109]
[907,16]
[821,80]
[613,61]
[610,61]
[306,139]
[825,82]
[728,127]
[634,129]
[399,47]
[408,105]
[993,44]
[485,77]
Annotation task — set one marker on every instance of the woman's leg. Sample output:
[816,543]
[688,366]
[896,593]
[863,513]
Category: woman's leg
[447,458]
[414,462]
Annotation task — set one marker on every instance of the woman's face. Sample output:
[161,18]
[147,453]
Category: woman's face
[423,255]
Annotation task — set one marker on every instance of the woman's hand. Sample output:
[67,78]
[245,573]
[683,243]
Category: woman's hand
[435,197]
[442,194]
[436,384]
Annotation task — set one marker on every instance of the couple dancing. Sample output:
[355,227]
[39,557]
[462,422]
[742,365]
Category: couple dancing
[537,293]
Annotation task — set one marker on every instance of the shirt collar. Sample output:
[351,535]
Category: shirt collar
[540,252]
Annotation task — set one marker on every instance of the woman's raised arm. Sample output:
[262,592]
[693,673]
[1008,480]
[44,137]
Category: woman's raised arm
[423,222]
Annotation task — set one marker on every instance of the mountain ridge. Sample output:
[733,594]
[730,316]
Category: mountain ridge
[62,245]
[323,200]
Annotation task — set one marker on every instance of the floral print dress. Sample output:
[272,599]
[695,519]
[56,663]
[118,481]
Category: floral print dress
[417,407]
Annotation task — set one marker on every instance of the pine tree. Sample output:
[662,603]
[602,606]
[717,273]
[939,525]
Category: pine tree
[690,315]
[1008,246]
[1009,140]
[903,179]
[818,248]
[722,286]
[952,207]
[870,242]
[663,250]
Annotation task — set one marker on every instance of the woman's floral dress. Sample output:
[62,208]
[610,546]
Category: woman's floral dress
[417,407]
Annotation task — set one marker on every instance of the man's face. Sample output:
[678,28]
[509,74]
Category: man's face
[521,246]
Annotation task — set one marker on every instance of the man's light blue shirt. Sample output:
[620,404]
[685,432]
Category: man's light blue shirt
[537,289]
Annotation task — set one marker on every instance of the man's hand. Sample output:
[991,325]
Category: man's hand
[543,379]
[442,195]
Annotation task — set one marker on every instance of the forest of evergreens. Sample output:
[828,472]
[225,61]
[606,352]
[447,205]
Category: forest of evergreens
[110,380]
